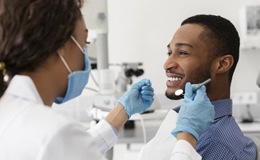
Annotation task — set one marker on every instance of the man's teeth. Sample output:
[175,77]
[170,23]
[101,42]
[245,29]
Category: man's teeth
[174,78]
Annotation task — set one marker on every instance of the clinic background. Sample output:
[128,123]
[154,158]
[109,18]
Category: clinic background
[140,30]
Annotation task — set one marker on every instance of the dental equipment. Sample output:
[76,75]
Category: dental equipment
[195,87]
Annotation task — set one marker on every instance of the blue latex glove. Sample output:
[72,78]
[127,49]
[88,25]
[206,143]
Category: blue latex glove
[196,112]
[138,98]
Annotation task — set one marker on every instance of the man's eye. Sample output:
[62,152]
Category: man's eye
[182,53]
[169,53]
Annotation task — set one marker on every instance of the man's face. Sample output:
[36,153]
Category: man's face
[188,59]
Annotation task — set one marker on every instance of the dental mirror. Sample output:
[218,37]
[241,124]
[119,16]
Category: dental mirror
[178,92]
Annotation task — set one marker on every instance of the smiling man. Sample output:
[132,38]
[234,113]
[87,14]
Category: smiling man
[204,46]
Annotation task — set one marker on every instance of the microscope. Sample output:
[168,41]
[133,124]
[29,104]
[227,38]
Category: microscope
[124,78]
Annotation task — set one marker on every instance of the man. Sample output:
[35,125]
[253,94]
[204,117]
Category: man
[205,46]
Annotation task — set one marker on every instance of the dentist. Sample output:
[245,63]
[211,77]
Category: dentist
[43,59]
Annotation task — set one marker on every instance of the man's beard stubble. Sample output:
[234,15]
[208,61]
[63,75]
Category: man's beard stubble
[194,79]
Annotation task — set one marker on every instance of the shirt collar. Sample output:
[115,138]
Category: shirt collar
[223,107]
[23,87]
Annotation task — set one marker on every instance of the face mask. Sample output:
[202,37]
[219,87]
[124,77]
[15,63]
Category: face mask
[77,80]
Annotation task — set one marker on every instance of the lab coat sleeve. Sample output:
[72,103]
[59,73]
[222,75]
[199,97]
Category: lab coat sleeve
[183,150]
[104,135]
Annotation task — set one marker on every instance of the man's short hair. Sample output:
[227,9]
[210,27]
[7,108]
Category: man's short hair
[220,35]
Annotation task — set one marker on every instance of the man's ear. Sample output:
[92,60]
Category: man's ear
[223,64]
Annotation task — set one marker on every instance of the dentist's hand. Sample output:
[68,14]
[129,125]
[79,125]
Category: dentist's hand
[196,112]
[138,98]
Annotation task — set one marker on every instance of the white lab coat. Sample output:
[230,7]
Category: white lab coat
[31,131]
[164,146]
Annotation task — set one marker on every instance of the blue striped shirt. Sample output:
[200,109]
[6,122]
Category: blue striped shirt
[223,139]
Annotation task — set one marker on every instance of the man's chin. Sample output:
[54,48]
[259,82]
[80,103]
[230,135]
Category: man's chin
[173,96]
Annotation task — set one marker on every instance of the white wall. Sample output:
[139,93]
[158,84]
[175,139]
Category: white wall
[139,30]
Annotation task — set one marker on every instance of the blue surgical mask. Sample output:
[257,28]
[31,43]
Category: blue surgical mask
[76,80]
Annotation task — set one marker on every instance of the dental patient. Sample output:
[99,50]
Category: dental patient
[204,46]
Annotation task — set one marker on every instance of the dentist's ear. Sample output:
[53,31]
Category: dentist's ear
[61,54]
[223,64]
[61,51]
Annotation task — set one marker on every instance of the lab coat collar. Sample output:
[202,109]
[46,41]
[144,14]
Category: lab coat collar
[23,87]
[223,107]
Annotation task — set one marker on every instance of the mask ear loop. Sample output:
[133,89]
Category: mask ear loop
[63,60]
[65,63]
[74,40]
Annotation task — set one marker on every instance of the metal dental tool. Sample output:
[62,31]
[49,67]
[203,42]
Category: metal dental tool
[195,87]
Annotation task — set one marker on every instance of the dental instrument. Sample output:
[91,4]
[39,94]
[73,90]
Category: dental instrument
[195,87]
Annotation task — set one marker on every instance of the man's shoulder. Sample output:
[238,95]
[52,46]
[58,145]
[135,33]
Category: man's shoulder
[224,131]
[225,137]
